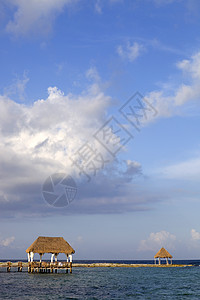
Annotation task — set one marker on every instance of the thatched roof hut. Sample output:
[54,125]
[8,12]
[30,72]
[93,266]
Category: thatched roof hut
[54,245]
[163,253]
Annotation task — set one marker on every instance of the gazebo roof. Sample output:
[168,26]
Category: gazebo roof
[45,244]
[163,253]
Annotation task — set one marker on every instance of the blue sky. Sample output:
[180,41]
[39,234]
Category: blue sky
[66,68]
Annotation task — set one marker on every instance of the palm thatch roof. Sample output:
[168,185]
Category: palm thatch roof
[163,253]
[45,244]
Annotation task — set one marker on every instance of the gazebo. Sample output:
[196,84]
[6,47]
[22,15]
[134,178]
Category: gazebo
[163,253]
[53,245]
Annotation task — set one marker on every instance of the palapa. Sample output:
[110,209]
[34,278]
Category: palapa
[50,245]
[163,253]
[53,245]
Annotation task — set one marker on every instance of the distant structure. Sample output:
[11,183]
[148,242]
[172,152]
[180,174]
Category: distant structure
[53,245]
[163,253]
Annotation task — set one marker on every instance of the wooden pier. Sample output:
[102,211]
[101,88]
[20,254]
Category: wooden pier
[38,267]
[46,267]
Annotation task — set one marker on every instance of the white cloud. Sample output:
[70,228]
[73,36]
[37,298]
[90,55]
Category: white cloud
[17,88]
[7,241]
[191,66]
[92,74]
[35,16]
[169,104]
[191,69]
[40,139]
[157,240]
[130,52]
[195,235]
[188,170]
[51,127]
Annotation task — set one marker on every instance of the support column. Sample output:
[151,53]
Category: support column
[29,263]
[52,256]
[167,260]
[56,262]
[159,260]
[32,256]
[40,263]
[70,264]
[51,264]
[67,263]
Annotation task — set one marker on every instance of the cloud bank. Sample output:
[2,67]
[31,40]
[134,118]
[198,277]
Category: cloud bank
[39,140]
[157,240]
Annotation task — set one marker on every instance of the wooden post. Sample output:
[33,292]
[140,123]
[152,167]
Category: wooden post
[70,265]
[32,267]
[159,260]
[19,266]
[56,264]
[8,266]
[51,267]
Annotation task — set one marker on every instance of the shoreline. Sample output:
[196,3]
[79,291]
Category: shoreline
[106,265]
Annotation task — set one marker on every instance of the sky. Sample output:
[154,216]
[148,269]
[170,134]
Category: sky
[107,93]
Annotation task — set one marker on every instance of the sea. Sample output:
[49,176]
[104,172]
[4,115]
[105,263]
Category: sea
[105,283]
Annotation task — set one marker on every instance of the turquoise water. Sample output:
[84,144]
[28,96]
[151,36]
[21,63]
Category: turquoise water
[104,283]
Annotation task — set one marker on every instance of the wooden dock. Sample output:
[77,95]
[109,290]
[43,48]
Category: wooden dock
[38,267]
[48,267]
